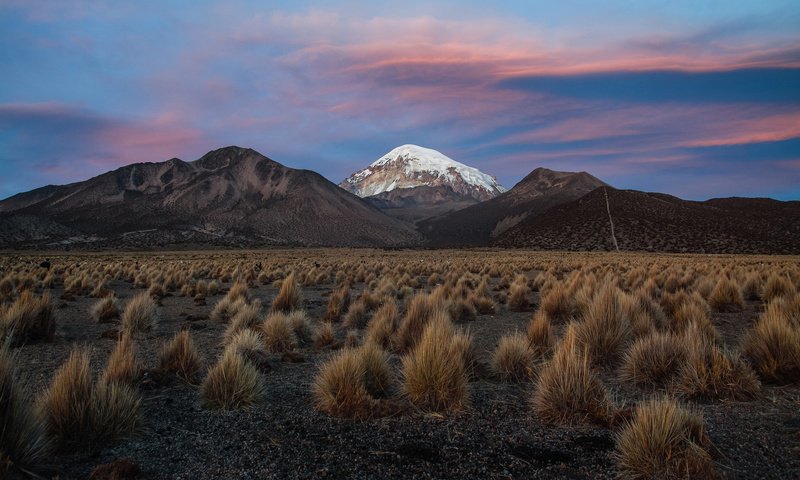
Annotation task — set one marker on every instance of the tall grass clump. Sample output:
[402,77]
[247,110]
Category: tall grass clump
[28,319]
[513,359]
[726,296]
[567,391]
[663,440]
[105,310]
[653,360]
[140,314]
[24,445]
[773,347]
[434,377]
[232,383]
[79,414]
[288,298]
[605,328]
[180,356]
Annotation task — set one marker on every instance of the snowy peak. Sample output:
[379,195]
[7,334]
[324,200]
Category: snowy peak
[410,166]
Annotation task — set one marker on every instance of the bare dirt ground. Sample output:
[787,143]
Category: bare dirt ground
[498,436]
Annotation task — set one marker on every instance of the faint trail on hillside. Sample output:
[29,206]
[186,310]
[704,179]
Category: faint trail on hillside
[608,208]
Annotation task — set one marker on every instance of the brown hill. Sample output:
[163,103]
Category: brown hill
[534,194]
[232,196]
[659,222]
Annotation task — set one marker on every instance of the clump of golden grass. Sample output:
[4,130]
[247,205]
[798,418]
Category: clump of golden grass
[378,376]
[776,286]
[653,360]
[773,347]
[751,288]
[483,304]
[324,335]
[105,310]
[115,411]
[382,325]
[663,440]
[540,336]
[140,314]
[24,445]
[247,316]
[28,319]
[340,389]
[726,296]
[288,298]
[122,366]
[556,302]
[710,371]
[357,315]
[518,295]
[605,329]
[279,335]
[78,414]
[567,391]
[434,377]
[239,290]
[417,315]
[693,313]
[180,356]
[461,311]
[232,383]
[66,405]
[301,326]
[338,303]
[513,359]
[228,306]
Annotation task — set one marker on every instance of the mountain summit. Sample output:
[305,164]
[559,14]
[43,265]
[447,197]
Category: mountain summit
[411,166]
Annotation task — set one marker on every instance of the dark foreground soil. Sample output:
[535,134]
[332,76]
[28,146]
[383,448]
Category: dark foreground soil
[497,437]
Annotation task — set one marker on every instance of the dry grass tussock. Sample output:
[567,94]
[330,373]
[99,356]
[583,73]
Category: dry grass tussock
[773,347]
[653,360]
[663,440]
[232,383]
[557,303]
[540,336]
[349,383]
[710,371]
[24,445]
[421,308]
[513,359]
[122,366]
[434,377]
[278,332]
[105,310]
[140,314]
[382,325]
[288,298]
[180,356]
[726,296]
[567,391]
[605,329]
[29,319]
[324,335]
[338,303]
[79,414]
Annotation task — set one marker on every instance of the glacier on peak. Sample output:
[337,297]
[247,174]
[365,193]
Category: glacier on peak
[409,166]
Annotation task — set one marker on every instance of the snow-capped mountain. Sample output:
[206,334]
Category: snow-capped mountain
[410,166]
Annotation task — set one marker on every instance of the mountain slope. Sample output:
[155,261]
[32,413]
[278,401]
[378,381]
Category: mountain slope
[230,196]
[659,222]
[537,192]
[410,166]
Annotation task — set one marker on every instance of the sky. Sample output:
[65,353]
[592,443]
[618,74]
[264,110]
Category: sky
[695,99]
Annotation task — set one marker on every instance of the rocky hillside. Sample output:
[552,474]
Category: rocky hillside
[478,224]
[658,222]
[230,197]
